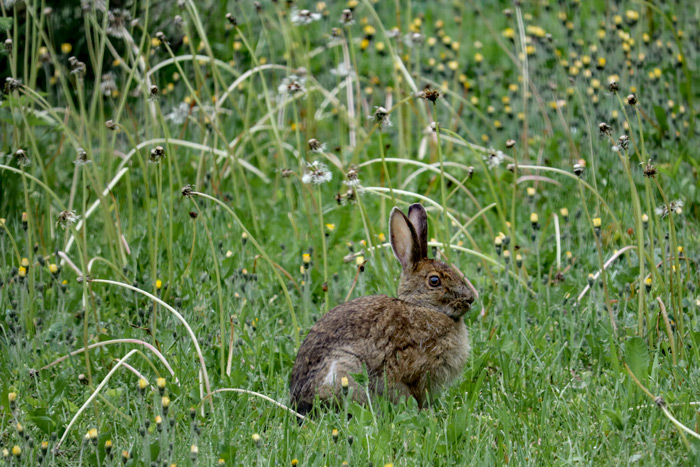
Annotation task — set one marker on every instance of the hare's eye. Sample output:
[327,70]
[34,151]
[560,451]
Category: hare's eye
[434,281]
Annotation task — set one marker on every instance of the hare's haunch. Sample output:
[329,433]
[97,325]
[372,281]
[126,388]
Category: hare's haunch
[412,345]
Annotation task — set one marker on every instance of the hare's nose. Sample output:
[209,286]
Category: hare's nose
[471,297]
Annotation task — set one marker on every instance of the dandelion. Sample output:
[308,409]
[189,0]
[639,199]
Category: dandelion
[674,207]
[16,451]
[22,159]
[108,86]
[316,173]
[647,284]
[143,384]
[649,170]
[257,440]
[194,451]
[381,117]
[292,84]
[335,435]
[343,71]
[535,221]
[352,178]
[66,219]
[316,146]
[82,158]
[431,95]
[116,21]
[12,84]
[304,17]
[157,155]
[346,18]
[494,159]
[413,39]
[344,383]
[91,435]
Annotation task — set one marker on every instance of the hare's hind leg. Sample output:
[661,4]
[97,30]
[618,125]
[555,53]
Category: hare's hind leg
[333,376]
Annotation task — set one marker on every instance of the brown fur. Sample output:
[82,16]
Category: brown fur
[412,345]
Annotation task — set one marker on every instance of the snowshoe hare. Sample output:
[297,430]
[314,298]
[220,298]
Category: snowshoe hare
[412,345]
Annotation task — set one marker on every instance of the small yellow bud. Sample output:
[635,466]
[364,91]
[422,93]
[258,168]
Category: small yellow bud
[596,222]
[160,382]
[159,284]
[143,384]
[344,381]
[534,218]
[306,258]
[330,227]
[530,191]
[159,419]
[359,260]
[256,439]
[194,450]
[16,451]
[12,397]
[382,237]
[53,269]
[24,263]
[165,402]
[66,48]
[564,212]
[22,272]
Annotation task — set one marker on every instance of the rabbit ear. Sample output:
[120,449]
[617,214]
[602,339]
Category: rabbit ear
[404,241]
[419,219]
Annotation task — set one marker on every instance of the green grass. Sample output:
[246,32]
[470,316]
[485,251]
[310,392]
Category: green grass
[568,364]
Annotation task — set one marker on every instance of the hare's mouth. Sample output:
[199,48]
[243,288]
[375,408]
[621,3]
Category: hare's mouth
[459,307]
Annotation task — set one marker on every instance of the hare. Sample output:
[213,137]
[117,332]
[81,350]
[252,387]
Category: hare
[409,346]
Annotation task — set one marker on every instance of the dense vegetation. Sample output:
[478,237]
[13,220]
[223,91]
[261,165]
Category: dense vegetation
[186,187]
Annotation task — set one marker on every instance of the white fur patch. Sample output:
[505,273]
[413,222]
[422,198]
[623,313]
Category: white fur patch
[330,377]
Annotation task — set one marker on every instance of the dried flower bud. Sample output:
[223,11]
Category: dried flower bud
[604,128]
[154,90]
[632,99]
[231,19]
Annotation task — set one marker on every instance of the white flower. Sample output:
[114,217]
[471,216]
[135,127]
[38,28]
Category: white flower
[108,85]
[117,21]
[412,39]
[304,17]
[352,178]
[343,71]
[292,84]
[66,218]
[316,173]
[494,159]
[675,207]
[179,114]
[381,117]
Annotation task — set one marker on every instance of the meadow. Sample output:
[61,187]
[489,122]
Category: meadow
[186,187]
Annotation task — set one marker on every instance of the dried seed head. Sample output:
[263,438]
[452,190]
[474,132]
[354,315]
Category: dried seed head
[346,17]
[510,143]
[12,84]
[161,37]
[153,90]
[613,87]
[649,170]
[604,128]
[187,190]
[632,99]
[157,154]
[316,146]
[431,95]
[578,169]
[623,141]
[8,46]
[22,158]
[111,125]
